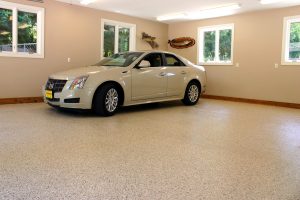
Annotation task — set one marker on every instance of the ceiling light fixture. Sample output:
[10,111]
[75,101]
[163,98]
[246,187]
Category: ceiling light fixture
[269,1]
[86,2]
[214,12]
[203,14]
[171,17]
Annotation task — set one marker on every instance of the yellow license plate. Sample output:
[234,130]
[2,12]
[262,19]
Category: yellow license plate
[49,94]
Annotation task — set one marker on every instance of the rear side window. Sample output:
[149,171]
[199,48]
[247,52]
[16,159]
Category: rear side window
[172,60]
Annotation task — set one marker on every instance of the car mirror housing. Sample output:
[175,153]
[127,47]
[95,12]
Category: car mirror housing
[144,64]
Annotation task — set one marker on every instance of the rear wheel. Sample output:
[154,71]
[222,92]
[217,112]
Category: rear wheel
[192,93]
[106,101]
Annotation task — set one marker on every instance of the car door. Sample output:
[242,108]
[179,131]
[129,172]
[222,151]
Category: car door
[151,82]
[176,75]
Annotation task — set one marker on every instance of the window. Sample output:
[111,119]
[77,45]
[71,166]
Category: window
[216,45]
[173,60]
[291,41]
[155,59]
[21,30]
[117,37]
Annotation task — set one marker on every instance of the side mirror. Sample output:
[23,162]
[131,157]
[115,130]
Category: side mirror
[144,64]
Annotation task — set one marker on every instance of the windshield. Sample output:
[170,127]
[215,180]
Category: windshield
[120,59]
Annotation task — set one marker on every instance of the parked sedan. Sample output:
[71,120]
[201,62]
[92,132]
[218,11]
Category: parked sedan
[126,79]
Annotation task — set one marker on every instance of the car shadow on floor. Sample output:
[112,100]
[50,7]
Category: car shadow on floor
[121,111]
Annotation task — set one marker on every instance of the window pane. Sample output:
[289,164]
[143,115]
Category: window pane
[294,47]
[27,32]
[225,45]
[5,29]
[172,60]
[155,59]
[124,39]
[209,45]
[109,40]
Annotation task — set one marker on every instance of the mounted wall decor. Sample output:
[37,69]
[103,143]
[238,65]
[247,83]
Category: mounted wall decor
[182,42]
[150,40]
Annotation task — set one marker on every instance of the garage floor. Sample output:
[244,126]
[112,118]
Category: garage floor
[215,150]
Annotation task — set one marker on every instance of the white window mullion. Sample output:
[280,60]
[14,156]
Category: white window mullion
[217,46]
[116,39]
[15,31]
[132,38]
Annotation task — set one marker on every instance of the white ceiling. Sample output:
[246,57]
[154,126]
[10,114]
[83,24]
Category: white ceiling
[150,9]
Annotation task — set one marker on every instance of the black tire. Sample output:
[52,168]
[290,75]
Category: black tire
[102,96]
[189,97]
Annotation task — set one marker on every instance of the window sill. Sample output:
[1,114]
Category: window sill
[21,55]
[297,63]
[216,64]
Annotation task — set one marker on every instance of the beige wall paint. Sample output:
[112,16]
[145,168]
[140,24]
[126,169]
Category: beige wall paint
[257,47]
[70,31]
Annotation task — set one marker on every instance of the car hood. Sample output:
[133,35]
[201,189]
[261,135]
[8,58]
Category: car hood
[77,72]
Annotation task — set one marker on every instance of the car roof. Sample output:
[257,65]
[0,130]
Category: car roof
[152,51]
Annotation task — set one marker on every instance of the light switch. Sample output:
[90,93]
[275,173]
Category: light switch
[237,65]
[276,65]
[69,60]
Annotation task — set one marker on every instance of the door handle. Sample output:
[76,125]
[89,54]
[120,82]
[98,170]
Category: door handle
[162,74]
[183,73]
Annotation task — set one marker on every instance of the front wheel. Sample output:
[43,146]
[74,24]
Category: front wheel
[192,94]
[106,102]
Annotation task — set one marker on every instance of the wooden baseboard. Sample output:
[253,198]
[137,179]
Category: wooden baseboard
[253,101]
[235,99]
[21,100]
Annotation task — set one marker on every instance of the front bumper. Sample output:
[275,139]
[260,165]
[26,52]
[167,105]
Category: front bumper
[77,98]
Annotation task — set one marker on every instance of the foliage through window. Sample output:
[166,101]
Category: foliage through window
[27,32]
[291,40]
[118,37]
[26,40]
[216,44]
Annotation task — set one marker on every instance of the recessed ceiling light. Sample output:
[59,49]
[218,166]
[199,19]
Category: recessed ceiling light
[203,14]
[269,1]
[86,2]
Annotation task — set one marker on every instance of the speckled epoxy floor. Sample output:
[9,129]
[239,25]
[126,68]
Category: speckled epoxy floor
[214,150]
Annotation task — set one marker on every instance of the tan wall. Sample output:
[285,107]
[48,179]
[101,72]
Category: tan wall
[257,47]
[70,31]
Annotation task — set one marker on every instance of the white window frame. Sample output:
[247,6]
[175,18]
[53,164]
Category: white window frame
[200,49]
[286,40]
[40,29]
[117,24]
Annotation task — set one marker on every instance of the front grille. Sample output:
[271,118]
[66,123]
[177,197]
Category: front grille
[55,85]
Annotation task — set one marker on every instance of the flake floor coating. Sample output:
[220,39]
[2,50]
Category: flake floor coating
[214,150]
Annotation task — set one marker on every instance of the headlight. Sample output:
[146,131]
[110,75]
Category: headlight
[78,82]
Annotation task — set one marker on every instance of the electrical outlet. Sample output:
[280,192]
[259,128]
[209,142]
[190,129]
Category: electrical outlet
[276,65]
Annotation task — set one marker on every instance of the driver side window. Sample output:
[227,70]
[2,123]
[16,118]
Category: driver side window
[155,59]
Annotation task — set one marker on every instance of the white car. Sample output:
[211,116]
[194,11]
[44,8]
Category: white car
[126,79]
